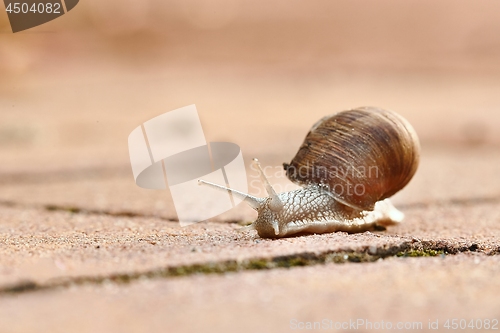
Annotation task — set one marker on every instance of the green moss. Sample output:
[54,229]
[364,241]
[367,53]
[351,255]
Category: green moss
[122,278]
[301,259]
[257,264]
[358,257]
[337,259]
[209,268]
[293,261]
[70,209]
[420,253]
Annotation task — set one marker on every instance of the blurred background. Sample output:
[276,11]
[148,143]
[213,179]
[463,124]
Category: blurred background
[260,73]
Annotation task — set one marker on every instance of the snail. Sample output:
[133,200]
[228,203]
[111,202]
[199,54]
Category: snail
[349,164]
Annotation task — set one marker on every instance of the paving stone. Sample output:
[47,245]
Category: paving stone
[83,249]
[409,291]
[63,244]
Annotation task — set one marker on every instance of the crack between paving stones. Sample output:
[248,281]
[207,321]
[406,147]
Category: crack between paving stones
[413,248]
[82,210]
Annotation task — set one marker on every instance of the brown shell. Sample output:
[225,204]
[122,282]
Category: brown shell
[362,155]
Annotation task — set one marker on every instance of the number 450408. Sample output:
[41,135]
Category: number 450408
[41,7]
[473,324]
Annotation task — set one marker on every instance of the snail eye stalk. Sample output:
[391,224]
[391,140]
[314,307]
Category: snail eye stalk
[276,204]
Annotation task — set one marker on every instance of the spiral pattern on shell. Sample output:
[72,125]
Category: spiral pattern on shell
[361,156]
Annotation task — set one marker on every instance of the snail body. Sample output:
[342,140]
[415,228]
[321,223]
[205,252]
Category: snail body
[314,210]
[349,165]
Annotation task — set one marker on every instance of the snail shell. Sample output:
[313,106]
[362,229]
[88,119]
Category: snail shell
[362,156]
